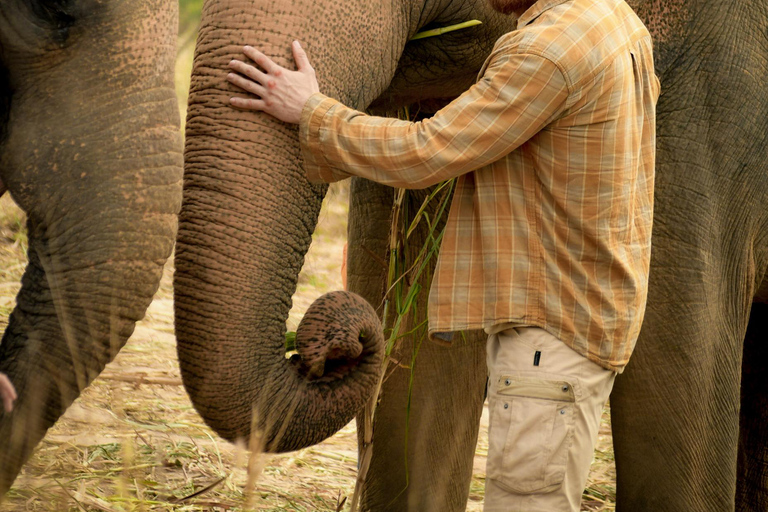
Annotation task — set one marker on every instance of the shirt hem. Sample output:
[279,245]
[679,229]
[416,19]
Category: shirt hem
[569,340]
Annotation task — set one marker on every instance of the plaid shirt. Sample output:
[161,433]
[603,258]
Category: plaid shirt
[554,146]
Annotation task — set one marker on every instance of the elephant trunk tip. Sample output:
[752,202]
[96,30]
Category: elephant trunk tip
[339,333]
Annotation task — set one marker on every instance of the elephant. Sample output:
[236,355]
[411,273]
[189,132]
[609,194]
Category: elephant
[91,150]
[689,414]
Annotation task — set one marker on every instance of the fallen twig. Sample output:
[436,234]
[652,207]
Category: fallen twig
[198,493]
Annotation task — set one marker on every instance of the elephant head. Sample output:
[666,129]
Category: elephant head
[90,149]
[248,211]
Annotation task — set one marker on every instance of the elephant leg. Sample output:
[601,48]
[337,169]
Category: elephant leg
[447,391]
[441,434]
[752,481]
[675,411]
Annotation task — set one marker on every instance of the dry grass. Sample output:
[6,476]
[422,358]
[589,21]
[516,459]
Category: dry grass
[133,442]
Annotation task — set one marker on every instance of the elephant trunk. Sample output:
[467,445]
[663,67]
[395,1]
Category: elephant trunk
[245,226]
[247,218]
[78,304]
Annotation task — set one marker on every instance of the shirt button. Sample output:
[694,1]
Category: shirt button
[562,411]
[506,406]
[565,389]
[507,382]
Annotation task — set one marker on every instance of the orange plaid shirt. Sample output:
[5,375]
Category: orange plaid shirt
[554,146]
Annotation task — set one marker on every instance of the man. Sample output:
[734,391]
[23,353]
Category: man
[547,244]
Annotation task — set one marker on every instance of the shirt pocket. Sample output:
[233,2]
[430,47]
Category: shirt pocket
[531,430]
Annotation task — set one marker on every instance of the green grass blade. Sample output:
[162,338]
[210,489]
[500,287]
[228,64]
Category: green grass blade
[290,341]
[444,30]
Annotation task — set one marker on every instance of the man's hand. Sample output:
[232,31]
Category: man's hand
[7,393]
[282,92]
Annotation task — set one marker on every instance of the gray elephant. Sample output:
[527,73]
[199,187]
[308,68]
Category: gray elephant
[690,412]
[90,149]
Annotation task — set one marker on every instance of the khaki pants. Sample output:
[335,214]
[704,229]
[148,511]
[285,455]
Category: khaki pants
[545,404]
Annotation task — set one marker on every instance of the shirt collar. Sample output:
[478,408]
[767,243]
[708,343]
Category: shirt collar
[536,10]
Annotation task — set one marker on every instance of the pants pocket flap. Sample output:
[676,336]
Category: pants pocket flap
[531,387]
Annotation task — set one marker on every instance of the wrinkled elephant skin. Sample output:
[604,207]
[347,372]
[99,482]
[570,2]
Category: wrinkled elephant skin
[689,414]
[90,149]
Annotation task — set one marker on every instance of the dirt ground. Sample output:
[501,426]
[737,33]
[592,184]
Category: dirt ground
[133,442]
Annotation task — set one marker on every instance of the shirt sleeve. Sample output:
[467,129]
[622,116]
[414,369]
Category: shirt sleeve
[517,96]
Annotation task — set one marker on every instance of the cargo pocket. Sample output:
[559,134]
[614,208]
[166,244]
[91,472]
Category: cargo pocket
[532,424]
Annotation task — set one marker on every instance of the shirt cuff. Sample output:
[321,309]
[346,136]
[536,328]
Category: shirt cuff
[317,167]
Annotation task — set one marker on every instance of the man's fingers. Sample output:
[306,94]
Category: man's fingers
[247,103]
[248,70]
[246,84]
[300,56]
[261,59]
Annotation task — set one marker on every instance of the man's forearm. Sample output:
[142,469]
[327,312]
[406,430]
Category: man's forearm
[338,142]
[519,94]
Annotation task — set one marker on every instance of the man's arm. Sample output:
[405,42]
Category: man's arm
[518,95]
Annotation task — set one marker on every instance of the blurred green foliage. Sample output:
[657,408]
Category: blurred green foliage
[189,15]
